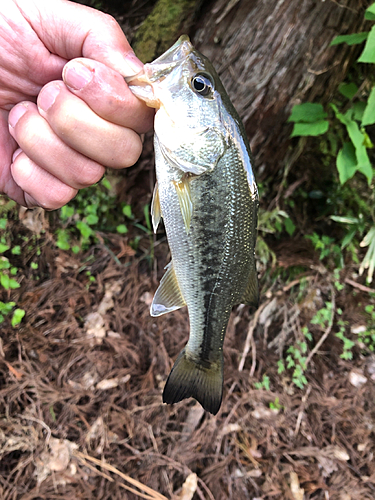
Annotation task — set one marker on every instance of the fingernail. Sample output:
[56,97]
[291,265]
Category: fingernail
[76,75]
[16,153]
[48,96]
[15,114]
[132,65]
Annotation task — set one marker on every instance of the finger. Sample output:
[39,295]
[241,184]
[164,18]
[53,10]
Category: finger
[44,148]
[107,94]
[40,187]
[71,30]
[83,130]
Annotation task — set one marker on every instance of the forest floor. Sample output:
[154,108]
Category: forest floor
[81,377]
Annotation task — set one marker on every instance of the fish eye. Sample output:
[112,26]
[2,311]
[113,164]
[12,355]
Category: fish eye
[202,84]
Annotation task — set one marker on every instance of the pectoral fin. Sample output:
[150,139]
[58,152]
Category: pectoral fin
[184,199]
[168,296]
[196,153]
[251,295]
[155,208]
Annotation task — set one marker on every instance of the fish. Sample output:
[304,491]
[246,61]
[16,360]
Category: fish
[208,199]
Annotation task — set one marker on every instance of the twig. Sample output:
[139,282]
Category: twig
[328,329]
[301,410]
[363,288]
[250,332]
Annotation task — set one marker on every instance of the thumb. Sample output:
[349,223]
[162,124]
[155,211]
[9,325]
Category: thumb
[70,30]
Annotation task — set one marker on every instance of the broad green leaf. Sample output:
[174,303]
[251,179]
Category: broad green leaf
[313,129]
[348,90]
[369,113]
[92,219]
[358,110]
[352,39]
[289,226]
[7,282]
[3,248]
[358,139]
[122,229]
[84,229]
[307,113]
[346,162]
[17,317]
[370,13]
[127,211]
[368,54]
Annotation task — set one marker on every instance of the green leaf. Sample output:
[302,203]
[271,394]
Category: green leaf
[127,211]
[307,113]
[3,248]
[352,39]
[289,226]
[368,54]
[358,139]
[358,110]
[122,229]
[6,307]
[66,211]
[16,250]
[84,229]
[3,223]
[7,282]
[17,317]
[369,113]
[314,129]
[346,162]
[105,182]
[370,13]
[92,219]
[348,90]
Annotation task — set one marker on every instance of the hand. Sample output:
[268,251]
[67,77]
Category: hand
[62,120]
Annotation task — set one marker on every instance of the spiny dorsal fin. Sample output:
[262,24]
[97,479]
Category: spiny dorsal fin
[155,208]
[184,199]
[168,296]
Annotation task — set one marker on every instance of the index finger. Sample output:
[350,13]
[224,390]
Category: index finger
[107,94]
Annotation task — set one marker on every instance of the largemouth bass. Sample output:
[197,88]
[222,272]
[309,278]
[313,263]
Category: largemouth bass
[208,199]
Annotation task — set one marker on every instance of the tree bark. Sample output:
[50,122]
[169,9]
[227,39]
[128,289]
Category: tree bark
[271,55]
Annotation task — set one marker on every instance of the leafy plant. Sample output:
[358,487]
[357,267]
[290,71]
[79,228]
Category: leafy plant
[311,119]
[8,272]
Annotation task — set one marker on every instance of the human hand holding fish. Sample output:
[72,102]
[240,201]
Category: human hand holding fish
[65,110]
[207,197]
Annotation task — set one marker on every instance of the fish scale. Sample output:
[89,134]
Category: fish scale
[207,197]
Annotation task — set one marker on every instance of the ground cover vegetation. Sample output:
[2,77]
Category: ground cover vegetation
[82,364]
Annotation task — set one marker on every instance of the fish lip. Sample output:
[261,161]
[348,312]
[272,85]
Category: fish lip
[164,64]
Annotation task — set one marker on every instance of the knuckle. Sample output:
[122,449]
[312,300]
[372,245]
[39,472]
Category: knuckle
[58,197]
[89,174]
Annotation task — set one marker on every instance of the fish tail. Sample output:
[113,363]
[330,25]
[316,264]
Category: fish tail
[189,378]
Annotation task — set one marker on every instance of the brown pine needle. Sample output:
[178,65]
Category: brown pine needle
[148,493]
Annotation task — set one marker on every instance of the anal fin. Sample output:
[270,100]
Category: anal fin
[168,296]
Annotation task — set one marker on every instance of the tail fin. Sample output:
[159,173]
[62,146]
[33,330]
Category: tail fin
[191,379]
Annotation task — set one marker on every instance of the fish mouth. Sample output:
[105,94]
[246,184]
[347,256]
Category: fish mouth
[141,84]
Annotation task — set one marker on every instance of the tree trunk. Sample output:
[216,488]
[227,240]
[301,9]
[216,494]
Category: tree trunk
[271,55]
